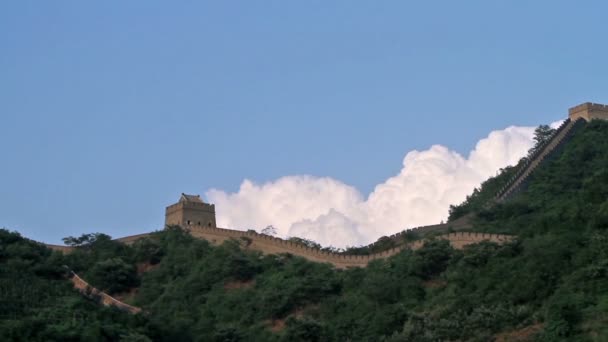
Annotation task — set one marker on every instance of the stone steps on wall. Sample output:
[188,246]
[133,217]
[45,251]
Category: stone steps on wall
[546,151]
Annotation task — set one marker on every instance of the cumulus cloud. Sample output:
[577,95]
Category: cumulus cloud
[333,213]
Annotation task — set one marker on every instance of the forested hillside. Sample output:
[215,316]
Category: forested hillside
[551,284]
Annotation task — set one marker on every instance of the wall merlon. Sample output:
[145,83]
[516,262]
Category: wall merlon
[588,106]
[589,111]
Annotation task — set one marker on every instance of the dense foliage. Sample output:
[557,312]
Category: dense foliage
[37,303]
[549,285]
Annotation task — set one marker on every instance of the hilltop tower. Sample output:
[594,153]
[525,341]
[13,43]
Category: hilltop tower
[589,111]
[189,211]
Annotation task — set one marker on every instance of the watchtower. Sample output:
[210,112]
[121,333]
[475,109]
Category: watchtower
[190,210]
[589,111]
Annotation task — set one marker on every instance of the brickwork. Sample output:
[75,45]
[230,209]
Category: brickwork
[589,111]
[190,211]
[271,245]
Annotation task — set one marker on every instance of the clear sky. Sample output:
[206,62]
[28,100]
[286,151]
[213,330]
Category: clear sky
[110,109]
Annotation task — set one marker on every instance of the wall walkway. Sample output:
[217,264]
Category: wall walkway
[103,298]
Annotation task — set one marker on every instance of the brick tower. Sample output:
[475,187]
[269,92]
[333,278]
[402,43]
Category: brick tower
[589,111]
[189,211]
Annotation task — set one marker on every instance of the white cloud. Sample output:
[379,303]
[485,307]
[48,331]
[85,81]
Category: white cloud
[333,213]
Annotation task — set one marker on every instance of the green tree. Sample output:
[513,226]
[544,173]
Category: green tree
[542,134]
[113,275]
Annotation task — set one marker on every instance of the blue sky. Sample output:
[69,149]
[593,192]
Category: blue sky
[109,110]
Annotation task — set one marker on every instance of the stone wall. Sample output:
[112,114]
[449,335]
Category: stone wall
[544,152]
[103,298]
[190,213]
[589,111]
[132,238]
[272,245]
[461,223]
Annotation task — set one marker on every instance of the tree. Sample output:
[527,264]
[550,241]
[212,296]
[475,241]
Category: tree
[113,275]
[85,239]
[148,250]
[305,242]
[542,134]
[269,230]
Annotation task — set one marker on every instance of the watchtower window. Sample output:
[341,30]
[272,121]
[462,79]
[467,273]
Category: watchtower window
[199,223]
[209,224]
[188,222]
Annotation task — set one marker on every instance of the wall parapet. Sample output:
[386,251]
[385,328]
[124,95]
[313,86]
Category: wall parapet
[190,205]
[104,298]
[588,106]
[272,245]
[458,224]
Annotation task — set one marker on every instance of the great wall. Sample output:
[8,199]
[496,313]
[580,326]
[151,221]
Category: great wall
[198,218]
[272,245]
[100,296]
[544,152]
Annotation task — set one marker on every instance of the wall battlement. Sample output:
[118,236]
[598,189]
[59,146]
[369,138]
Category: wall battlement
[272,245]
[199,206]
[589,111]
[190,210]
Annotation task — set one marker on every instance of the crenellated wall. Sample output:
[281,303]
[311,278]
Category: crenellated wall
[272,245]
[589,111]
[461,223]
[103,297]
[184,213]
[544,152]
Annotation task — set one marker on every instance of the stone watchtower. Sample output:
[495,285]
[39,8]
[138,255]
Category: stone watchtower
[190,211]
[589,111]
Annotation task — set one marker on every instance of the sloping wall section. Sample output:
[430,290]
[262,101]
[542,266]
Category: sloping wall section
[546,151]
[103,298]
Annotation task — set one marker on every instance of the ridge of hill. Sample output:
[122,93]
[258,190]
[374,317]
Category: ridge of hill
[272,245]
[388,246]
[549,284]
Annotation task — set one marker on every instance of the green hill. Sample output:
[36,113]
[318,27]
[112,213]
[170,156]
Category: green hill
[551,284]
